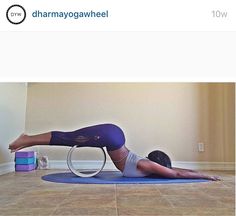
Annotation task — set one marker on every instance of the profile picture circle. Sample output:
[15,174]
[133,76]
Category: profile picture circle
[16,14]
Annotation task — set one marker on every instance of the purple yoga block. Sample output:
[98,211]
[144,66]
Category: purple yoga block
[28,167]
[24,154]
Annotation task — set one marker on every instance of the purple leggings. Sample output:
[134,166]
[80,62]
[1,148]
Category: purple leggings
[103,135]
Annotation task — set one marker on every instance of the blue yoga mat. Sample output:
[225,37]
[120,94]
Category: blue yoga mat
[112,177]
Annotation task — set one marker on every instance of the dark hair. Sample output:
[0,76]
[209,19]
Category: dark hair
[160,158]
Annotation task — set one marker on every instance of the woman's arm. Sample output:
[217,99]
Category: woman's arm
[155,168]
[195,175]
[181,169]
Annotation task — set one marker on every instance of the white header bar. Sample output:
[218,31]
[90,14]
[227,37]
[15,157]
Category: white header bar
[119,15]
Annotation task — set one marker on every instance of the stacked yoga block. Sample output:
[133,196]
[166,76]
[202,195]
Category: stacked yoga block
[25,161]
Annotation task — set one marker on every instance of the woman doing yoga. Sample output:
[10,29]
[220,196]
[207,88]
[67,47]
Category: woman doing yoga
[111,137]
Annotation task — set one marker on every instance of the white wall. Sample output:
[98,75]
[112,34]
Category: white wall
[12,118]
[173,117]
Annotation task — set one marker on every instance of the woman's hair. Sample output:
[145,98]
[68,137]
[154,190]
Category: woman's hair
[160,158]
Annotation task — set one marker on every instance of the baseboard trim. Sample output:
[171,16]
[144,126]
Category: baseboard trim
[205,165]
[61,164]
[7,167]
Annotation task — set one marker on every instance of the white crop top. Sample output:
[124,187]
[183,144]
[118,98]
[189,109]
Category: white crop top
[130,169]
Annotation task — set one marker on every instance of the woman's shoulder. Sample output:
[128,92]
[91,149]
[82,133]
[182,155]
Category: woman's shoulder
[144,164]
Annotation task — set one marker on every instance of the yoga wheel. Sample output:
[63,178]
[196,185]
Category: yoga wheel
[79,173]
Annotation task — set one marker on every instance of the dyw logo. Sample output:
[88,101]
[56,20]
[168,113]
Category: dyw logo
[16,14]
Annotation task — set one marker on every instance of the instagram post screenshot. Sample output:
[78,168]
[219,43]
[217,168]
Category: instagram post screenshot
[117,107]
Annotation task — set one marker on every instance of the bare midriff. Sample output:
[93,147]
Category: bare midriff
[119,157]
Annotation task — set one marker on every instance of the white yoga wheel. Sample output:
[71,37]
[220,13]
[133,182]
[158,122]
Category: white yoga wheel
[76,171]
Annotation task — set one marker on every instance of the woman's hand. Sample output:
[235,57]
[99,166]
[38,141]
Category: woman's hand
[214,178]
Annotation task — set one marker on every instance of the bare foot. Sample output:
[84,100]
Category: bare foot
[19,143]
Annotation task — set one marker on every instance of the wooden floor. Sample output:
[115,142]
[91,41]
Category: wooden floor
[27,194]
